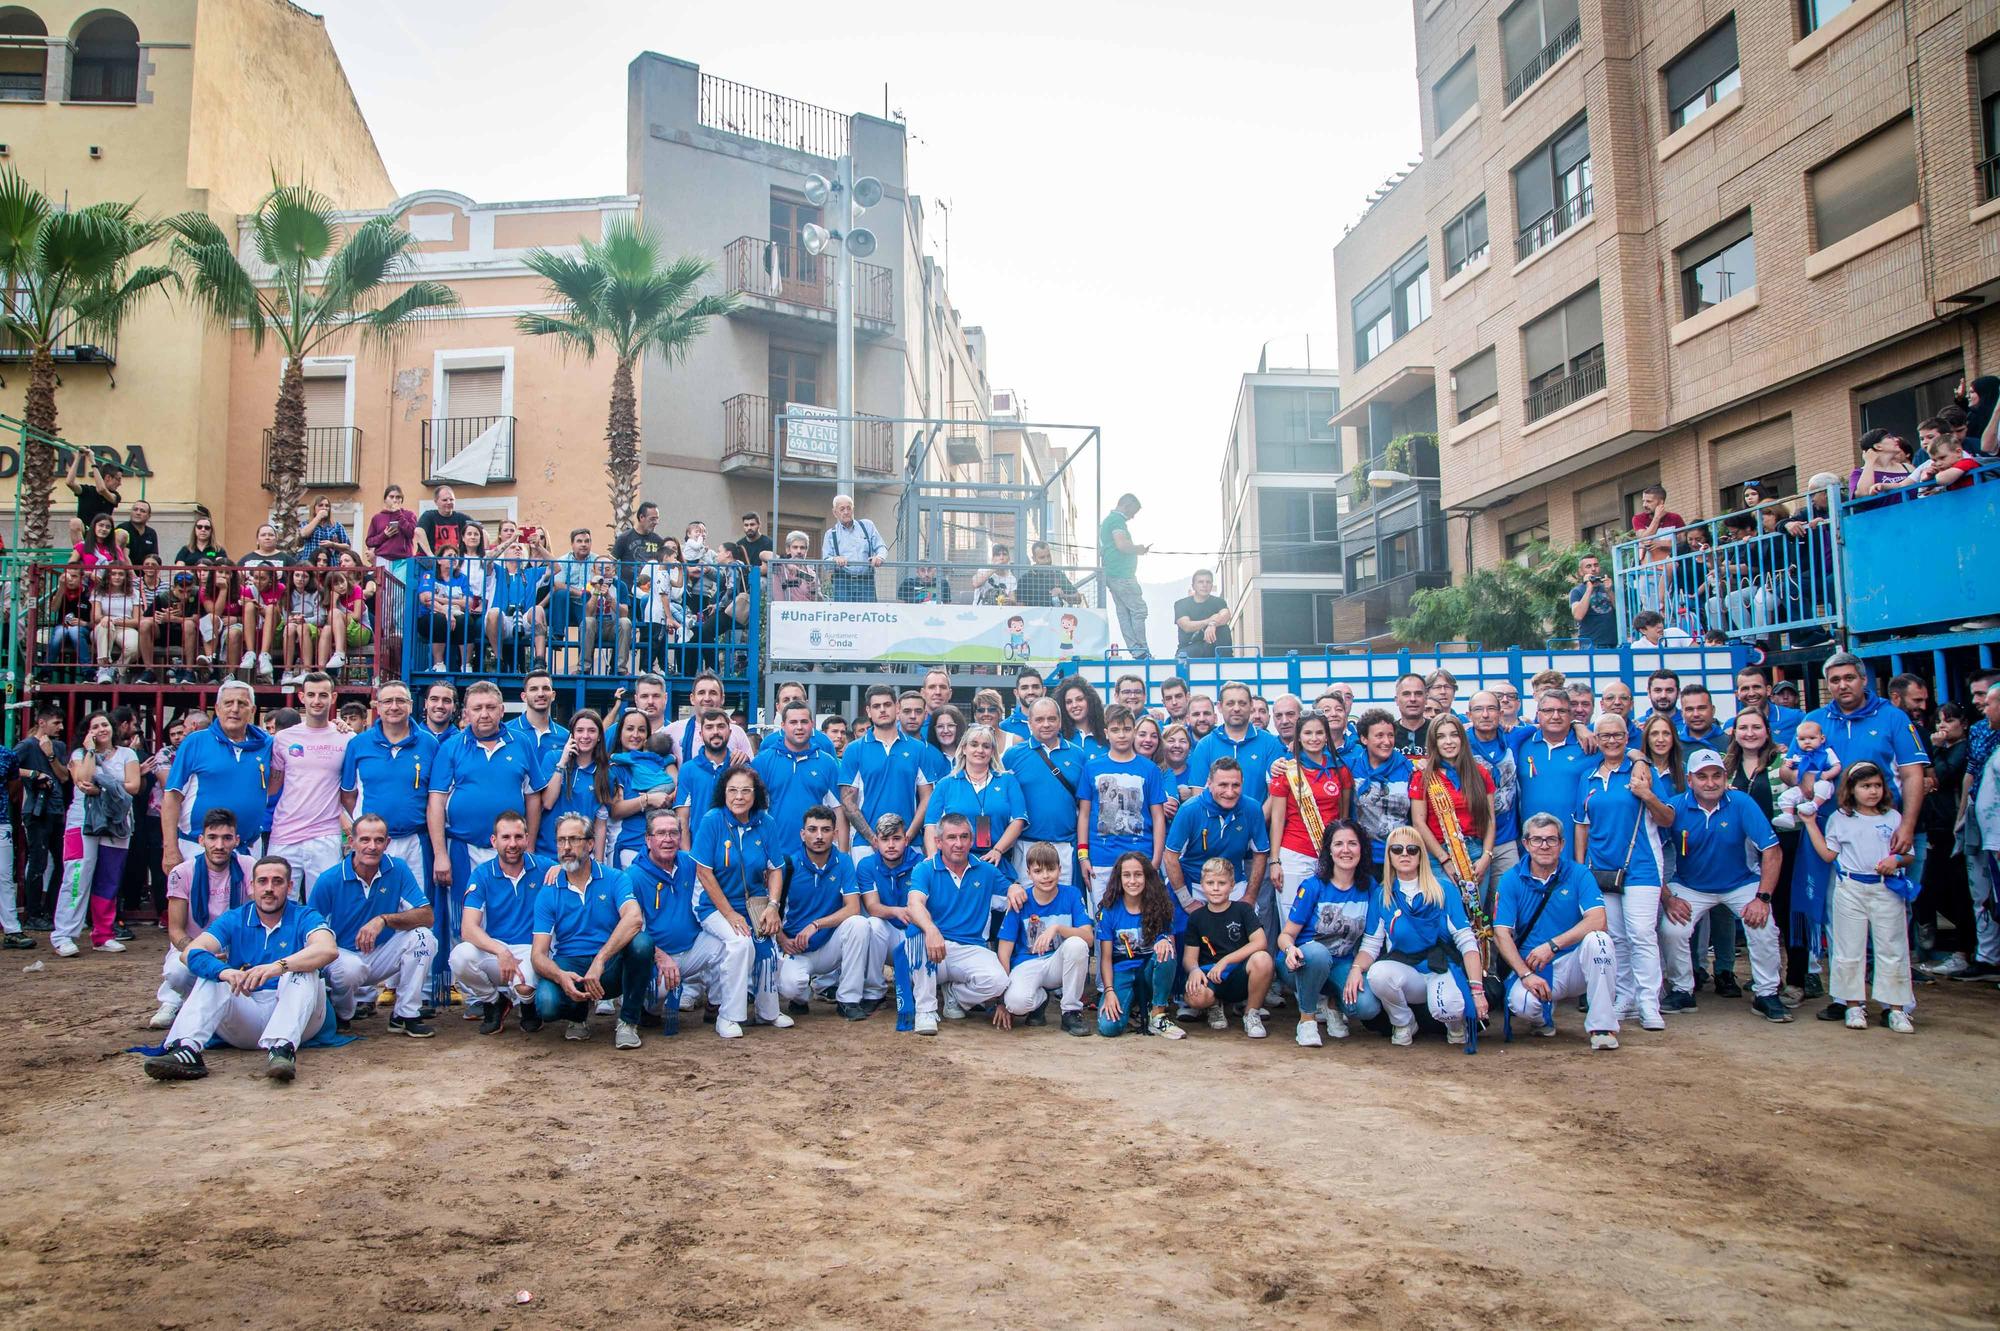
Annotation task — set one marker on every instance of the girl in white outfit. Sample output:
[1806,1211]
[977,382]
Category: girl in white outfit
[1871,898]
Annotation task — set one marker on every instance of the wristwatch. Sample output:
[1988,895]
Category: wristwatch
[285,965]
[1764,897]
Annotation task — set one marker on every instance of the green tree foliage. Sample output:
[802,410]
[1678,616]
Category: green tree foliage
[1515,605]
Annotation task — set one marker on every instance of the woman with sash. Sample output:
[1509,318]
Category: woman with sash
[1309,792]
[1451,801]
[1418,947]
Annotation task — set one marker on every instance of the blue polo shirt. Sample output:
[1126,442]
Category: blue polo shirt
[797,781]
[1520,892]
[815,891]
[1051,805]
[1256,751]
[212,771]
[737,853]
[990,810]
[247,943]
[547,746]
[1783,722]
[634,773]
[1203,829]
[1716,848]
[579,923]
[578,795]
[666,899]
[698,778]
[347,903]
[507,905]
[1617,823]
[1717,738]
[1504,768]
[1876,732]
[889,882]
[481,783]
[1549,775]
[933,765]
[388,778]
[1122,795]
[1025,925]
[1017,724]
[959,906]
[888,774]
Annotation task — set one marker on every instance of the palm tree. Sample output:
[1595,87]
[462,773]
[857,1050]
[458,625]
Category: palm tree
[320,286]
[624,291]
[68,276]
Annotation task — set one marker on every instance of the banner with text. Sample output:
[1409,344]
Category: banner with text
[1004,634]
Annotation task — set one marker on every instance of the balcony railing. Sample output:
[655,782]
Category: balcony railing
[330,455]
[747,423]
[66,353]
[1544,229]
[739,108]
[1585,378]
[1544,60]
[768,270]
[1989,178]
[23,87]
[446,438]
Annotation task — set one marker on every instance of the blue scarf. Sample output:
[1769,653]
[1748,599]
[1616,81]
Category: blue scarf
[198,900]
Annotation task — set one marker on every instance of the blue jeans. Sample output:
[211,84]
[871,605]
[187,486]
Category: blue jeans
[627,978]
[1325,973]
[1138,987]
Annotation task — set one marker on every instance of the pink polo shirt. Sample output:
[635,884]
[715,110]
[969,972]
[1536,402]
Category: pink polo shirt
[309,805]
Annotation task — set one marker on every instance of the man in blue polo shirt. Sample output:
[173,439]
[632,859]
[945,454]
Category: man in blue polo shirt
[1714,826]
[589,945]
[224,765]
[1753,689]
[1028,690]
[1218,821]
[882,772]
[535,726]
[1550,761]
[268,994]
[1549,927]
[798,777]
[950,903]
[701,769]
[1049,770]
[689,962]
[381,921]
[816,918]
[884,880]
[386,770]
[480,773]
[1697,726]
[1253,749]
[494,966]
[1489,744]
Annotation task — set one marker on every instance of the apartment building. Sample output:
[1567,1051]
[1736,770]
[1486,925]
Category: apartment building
[1686,241]
[1282,471]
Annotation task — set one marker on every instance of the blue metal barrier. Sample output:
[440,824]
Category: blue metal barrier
[1911,558]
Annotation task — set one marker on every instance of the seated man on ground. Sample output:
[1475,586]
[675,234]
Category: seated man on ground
[1045,942]
[493,964]
[268,994]
[381,923]
[1226,952]
[1550,906]
[225,885]
[815,917]
[950,899]
[687,961]
[884,879]
[588,945]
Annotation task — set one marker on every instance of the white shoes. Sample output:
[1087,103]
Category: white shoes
[1253,1024]
[104,674]
[1157,1024]
[1308,1034]
[927,1023]
[249,661]
[1335,1021]
[164,1018]
[1857,1018]
[1402,1035]
[336,661]
[1651,1020]
[626,1037]
[1218,1020]
[1454,1031]
[109,945]
[605,1007]
[728,1030]
[948,1006]
[783,1022]
[1900,1023]
[264,664]
[65,947]
[1598,1039]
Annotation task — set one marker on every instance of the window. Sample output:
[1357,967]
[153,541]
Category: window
[1716,266]
[1900,404]
[1465,238]
[1534,34]
[1413,297]
[1392,305]
[1456,93]
[1374,322]
[1296,530]
[1816,14]
[1297,620]
[1864,184]
[1361,570]
[329,441]
[1520,534]
[1552,188]
[24,57]
[1987,60]
[1604,511]
[794,377]
[1563,354]
[1702,75]
[1294,429]
[104,61]
[1476,385]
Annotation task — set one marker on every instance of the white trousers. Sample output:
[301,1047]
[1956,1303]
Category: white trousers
[1063,968]
[731,993]
[404,956]
[1765,954]
[1297,868]
[290,1014]
[1633,918]
[311,858]
[476,972]
[1398,985]
[701,971]
[176,980]
[410,850]
[1864,915]
[974,973]
[10,919]
[845,951]
[884,937]
[1590,969]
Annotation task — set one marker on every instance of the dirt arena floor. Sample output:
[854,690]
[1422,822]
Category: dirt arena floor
[1724,1173]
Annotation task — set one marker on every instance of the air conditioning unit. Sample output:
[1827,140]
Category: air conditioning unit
[962,449]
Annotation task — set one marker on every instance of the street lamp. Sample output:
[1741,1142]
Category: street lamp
[852,242]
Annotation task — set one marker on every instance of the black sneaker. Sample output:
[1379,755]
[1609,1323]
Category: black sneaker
[17,941]
[651,1021]
[283,1063]
[364,1011]
[180,1062]
[1978,970]
[531,1018]
[1726,985]
[1771,1008]
[1679,1000]
[854,1011]
[495,1018]
[1074,1023]
[1039,1017]
[1833,1012]
[41,924]
[413,1027]
[123,933]
[1813,986]
[874,1005]
[342,1025]
[1700,979]
[798,1008]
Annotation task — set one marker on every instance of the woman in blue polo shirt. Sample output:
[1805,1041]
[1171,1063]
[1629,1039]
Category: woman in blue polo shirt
[580,783]
[991,799]
[732,861]
[641,780]
[1617,804]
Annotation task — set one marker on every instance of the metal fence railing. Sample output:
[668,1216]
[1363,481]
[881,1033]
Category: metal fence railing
[1544,60]
[445,438]
[1553,395]
[756,114]
[330,455]
[1544,229]
[772,270]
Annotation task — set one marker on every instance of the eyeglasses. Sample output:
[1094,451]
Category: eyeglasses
[1406,850]
[1545,841]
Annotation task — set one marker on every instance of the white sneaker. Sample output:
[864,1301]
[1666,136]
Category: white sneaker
[1900,1023]
[104,674]
[1185,1013]
[1857,1018]
[785,1023]
[1218,1020]
[605,1007]
[1157,1024]
[1602,1040]
[1454,1031]
[1276,999]
[626,1036]
[1335,1021]
[577,1030]
[164,1018]
[263,663]
[926,1023]
[1308,1034]
[727,1029]
[65,947]
[249,661]
[948,1006]
[288,679]
[336,661]
[1253,1024]
[1547,1028]
[1955,964]
[109,945]
[1402,1035]
[1652,1021]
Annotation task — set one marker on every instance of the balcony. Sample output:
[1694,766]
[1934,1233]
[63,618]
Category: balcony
[772,279]
[738,108]
[1544,230]
[14,351]
[1544,60]
[1584,377]
[330,454]
[114,81]
[23,88]
[1364,614]
[747,423]
[446,438]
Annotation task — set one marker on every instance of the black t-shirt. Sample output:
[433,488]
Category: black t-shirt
[636,547]
[90,501]
[1217,933]
[750,550]
[443,533]
[40,798]
[1412,742]
[1200,607]
[1599,625]
[139,544]
[187,556]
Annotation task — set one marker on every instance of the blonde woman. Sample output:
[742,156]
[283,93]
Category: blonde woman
[1418,946]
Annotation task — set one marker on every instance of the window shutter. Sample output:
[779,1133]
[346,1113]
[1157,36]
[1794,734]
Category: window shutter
[1521,35]
[1476,380]
[1760,451]
[1989,69]
[1702,64]
[1572,146]
[1713,242]
[1583,321]
[1371,305]
[1543,345]
[326,401]
[1456,92]
[1534,190]
[1868,182]
[1597,505]
[473,393]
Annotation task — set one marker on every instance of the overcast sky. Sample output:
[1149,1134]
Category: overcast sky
[1140,193]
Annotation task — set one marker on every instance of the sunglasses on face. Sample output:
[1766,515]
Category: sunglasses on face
[1405,850]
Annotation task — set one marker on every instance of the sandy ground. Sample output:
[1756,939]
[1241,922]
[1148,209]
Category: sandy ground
[1723,1173]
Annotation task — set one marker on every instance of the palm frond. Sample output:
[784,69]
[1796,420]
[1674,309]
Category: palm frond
[373,253]
[23,209]
[384,327]
[218,283]
[572,336]
[294,226]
